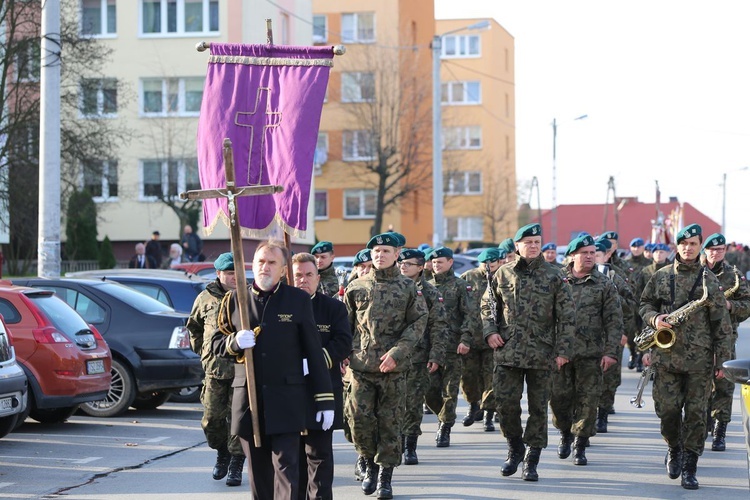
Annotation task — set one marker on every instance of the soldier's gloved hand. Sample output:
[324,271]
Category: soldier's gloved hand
[326,417]
[245,339]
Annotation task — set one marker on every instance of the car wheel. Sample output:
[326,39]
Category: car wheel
[150,401]
[187,395]
[7,424]
[120,396]
[53,415]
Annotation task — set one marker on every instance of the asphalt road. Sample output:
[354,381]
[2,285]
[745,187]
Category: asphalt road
[162,455]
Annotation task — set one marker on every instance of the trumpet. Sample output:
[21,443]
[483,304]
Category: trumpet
[646,376]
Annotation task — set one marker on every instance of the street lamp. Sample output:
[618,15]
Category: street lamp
[554,175]
[437,132]
[724,200]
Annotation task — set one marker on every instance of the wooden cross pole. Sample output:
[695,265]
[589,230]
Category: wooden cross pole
[230,193]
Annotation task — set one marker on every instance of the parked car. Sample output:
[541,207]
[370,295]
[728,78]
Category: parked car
[738,371]
[66,361]
[461,264]
[150,345]
[207,270]
[13,384]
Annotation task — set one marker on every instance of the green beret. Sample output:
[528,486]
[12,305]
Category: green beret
[502,253]
[362,256]
[715,240]
[386,239]
[600,247]
[400,237]
[322,247]
[411,253]
[508,245]
[224,262]
[528,230]
[604,241]
[688,232]
[578,243]
[440,252]
[610,235]
[489,255]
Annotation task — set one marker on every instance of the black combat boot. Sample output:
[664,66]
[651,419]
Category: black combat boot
[720,432]
[530,461]
[222,463]
[631,362]
[360,467]
[689,469]
[611,410]
[563,449]
[443,438]
[579,451]
[601,420]
[673,461]
[370,479]
[515,456]
[234,478]
[639,362]
[410,451]
[471,414]
[489,425]
[426,410]
[384,483]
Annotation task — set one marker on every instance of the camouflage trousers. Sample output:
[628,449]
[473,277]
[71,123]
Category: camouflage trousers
[442,395]
[416,383]
[575,396]
[374,409]
[722,396]
[681,402]
[476,380]
[508,385]
[346,379]
[612,380]
[216,397]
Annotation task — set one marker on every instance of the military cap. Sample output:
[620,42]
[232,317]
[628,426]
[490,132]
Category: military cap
[410,253]
[649,247]
[637,242]
[661,246]
[440,252]
[489,255]
[578,243]
[362,256]
[600,247]
[532,229]
[688,232]
[610,235]
[604,241]
[549,246]
[715,240]
[508,245]
[224,262]
[400,237]
[386,239]
[156,233]
[322,247]
[424,247]
[582,233]
[502,253]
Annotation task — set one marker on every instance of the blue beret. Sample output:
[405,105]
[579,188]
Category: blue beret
[508,245]
[661,246]
[224,262]
[578,243]
[715,240]
[400,237]
[533,229]
[649,247]
[688,232]
[489,255]
[549,246]
[386,239]
[362,256]
[411,253]
[610,235]
[424,247]
[637,242]
[604,241]
[440,252]
[322,247]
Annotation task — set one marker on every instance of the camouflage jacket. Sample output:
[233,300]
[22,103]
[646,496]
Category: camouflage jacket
[642,277]
[329,283]
[459,309]
[599,325]
[740,298]
[201,326]
[706,333]
[434,343]
[536,314]
[628,302]
[477,278]
[637,263]
[625,267]
[387,315]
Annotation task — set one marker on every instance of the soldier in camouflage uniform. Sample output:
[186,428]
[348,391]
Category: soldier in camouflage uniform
[388,316]
[476,380]
[636,259]
[329,283]
[216,394]
[683,373]
[550,254]
[737,295]
[509,246]
[576,387]
[426,357]
[529,320]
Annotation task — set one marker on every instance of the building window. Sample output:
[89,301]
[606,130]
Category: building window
[461,46]
[463,183]
[461,93]
[179,17]
[464,229]
[171,96]
[321,153]
[100,179]
[462,137]
[168,178]
[359,203]
[28,60]
[357,145]
[357,87]
[321,204]
[99,97]
[98,17]
[320,29]
[358,28]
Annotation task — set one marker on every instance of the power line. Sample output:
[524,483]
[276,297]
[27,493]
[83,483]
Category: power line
[479,72]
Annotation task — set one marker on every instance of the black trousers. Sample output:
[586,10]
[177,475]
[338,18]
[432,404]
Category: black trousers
[273,468]
[316,465]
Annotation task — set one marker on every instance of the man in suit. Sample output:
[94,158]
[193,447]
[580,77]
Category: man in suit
[140,260]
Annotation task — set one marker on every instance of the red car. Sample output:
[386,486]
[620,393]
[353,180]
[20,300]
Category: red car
[66,361]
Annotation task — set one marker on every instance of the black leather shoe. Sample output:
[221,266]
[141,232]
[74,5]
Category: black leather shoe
[222,463]
[370,479]
[673,461]
[234,477]
[516,451]
[563,449]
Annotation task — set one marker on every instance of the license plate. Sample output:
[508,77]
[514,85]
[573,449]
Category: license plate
[95,366]
[6,404]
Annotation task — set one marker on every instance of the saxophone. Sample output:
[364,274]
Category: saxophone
[730,291]
[666,337]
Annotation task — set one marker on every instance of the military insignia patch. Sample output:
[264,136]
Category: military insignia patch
[285,318]
[533,230]
[324,328]
[419,293]
[379,240]
[440,299]
[468,288]
[715,242]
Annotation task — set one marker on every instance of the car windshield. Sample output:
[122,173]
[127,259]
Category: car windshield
[60,314]
[134,298]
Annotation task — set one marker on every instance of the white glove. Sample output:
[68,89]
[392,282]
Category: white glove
[326,417]
[245,339]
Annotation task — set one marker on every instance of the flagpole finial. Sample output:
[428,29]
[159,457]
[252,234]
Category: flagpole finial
[339,50]
[202,46]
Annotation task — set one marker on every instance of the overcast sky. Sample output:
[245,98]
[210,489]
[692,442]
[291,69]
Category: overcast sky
[664,84]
